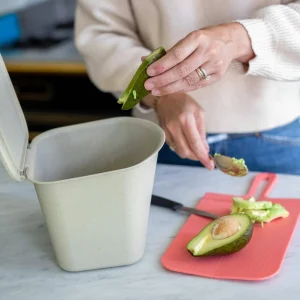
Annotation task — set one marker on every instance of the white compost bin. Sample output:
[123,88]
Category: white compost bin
[94,182]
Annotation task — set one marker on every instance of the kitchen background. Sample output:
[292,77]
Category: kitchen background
[49,76]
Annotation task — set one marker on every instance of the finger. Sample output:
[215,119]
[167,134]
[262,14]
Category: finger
[196,142]
[175,55]
[201,129]
[205,143]
[184,69]
[210,67]
[213,78]
[185,85]
[169,140]
[181,144]
[168,135]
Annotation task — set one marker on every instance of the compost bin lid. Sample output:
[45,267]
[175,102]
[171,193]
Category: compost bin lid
[13,127]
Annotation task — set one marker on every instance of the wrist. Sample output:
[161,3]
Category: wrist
[149,101]
[243,51]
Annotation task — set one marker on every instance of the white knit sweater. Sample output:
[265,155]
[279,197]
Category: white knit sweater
[112,35]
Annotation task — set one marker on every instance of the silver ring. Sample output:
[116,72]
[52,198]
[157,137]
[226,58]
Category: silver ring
[202,74]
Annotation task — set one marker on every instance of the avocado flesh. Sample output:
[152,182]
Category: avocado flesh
[250,204]
[277,211]
[205,244]
[240,168]
[235,209]
[136,91]
[260,211]
[257,215]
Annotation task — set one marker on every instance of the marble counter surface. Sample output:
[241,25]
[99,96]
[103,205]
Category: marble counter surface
[28,270]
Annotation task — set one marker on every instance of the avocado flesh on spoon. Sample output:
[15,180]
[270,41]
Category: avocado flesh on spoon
[230,165]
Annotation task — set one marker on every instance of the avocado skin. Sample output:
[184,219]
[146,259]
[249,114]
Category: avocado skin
[230,248]
[137,82]
[233,247]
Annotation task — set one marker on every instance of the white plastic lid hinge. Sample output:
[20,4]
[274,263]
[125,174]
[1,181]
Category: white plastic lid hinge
[28,161]
[23,173]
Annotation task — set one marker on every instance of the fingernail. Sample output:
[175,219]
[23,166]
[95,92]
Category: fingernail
[149,85]
[151,72]
[211,165]
[155,92]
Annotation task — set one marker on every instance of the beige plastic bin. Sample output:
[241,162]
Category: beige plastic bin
[94,182]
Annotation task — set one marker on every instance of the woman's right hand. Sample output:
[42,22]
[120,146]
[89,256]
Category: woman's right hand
[182,120]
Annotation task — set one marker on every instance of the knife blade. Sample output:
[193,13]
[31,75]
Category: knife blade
[176,206]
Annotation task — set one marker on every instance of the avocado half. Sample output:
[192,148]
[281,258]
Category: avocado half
[135,90]
[226,235]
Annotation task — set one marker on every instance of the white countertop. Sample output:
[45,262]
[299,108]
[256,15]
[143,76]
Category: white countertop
[28,269]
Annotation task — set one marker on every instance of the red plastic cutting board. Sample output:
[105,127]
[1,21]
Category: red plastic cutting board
[260,259]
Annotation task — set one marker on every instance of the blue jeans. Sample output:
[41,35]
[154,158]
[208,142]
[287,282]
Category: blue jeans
[276,150]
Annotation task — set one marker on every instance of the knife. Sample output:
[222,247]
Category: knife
[176,206]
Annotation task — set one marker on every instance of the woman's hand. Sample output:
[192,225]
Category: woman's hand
[182,120]
[212,49]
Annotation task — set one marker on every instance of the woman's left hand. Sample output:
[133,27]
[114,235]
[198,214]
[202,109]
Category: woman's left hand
[211,49]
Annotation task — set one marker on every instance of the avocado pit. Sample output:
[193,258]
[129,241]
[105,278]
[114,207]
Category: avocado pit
[225,227]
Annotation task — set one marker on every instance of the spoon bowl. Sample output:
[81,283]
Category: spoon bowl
[230,166]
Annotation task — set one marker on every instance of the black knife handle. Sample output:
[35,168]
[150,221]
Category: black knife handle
[163,202]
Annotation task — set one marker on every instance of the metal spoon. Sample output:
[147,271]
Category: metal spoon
[230,166]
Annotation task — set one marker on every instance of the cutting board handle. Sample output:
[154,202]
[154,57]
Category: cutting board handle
[270,179]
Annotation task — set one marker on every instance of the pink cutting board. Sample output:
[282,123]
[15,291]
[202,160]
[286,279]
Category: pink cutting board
[260,259]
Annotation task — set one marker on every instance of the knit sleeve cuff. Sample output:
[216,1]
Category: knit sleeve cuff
[263,45]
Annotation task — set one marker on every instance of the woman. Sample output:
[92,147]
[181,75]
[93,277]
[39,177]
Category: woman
[229,82]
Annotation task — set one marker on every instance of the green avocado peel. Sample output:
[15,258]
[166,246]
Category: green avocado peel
[135,90]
